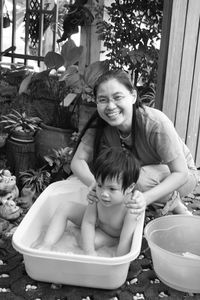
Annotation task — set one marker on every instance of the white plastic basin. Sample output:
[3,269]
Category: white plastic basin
[174,242]
[57,267]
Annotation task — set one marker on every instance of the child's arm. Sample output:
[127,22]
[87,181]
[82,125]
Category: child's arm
[129,225]
[88,229]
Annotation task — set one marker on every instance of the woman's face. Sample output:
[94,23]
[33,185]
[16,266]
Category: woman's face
[115,104]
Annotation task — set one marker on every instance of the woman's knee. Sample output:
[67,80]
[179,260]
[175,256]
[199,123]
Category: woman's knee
[190,185]
[151,175]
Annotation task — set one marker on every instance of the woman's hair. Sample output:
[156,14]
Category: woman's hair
[119,75]
[97,122]
[117,163]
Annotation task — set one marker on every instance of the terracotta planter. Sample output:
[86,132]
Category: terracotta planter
[49,138]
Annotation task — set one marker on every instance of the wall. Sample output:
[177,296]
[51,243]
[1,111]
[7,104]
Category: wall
[179,70]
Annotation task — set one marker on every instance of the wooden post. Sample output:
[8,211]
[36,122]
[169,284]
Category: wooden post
[89,38]
[162,61]
[180,82]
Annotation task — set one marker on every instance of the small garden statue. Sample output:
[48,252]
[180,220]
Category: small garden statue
[11,204]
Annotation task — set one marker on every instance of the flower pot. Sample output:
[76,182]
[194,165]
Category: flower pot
[49,138]
[20,155]
[22,136]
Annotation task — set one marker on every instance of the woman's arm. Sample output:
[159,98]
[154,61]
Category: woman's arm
[79,164]
[177,177]
[88,229]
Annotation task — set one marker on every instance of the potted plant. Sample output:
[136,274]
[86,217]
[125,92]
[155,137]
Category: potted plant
[20,144]
[65,91]
[35,180]
[57,167]
[20,126]
[59,163]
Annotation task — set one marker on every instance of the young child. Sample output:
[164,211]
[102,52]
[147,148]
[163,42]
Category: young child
[116,171]
[107,221]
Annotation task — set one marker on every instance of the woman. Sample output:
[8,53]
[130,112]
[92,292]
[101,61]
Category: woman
[168,170]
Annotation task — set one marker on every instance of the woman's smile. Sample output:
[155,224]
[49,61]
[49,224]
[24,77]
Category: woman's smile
[113,114]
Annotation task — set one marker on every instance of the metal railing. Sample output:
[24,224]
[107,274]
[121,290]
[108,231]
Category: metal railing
[35,14]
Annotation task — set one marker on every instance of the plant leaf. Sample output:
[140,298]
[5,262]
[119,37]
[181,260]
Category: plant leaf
[17,113]
[94,70]
[71,53]
[25,83]
[69,99]
[53,60]
[48,160]
[72,80]
[70,71]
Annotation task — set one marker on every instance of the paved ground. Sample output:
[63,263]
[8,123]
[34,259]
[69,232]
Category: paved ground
[141,283]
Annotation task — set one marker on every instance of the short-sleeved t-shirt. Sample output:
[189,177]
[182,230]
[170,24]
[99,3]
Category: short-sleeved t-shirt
[156,139]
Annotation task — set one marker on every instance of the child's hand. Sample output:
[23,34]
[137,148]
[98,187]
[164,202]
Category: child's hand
[92,196]
[136,203]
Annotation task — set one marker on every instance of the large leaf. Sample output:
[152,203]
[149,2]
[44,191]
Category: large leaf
[70,71]
[68,46]
[69,99]
[71,53]
[53,60]
[94,70]
[71,78]
[73,81]
[25,83]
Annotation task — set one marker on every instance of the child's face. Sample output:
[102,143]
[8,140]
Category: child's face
[110,192]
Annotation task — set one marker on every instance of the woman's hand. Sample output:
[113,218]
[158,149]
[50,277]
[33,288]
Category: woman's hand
[92,196]
[136,203]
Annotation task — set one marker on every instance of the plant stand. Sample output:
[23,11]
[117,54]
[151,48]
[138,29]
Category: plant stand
[20,156]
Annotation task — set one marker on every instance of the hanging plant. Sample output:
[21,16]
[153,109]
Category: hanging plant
[78,15]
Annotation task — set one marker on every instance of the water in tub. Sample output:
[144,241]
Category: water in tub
[69,243]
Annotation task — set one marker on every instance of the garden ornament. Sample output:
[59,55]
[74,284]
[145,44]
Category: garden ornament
[11,204]
[9,192]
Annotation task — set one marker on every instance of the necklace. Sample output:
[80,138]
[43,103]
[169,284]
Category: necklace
[125,140]
[124,137]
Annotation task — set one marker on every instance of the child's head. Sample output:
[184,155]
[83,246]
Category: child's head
[119,165]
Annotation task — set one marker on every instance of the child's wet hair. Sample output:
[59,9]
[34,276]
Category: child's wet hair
[119,164]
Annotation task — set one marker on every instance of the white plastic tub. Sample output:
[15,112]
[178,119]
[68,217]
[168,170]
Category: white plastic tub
[174,241]
[71,269]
